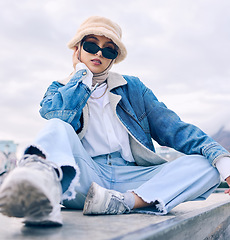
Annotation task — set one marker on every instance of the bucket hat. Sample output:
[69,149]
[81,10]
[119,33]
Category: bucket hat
[103,27]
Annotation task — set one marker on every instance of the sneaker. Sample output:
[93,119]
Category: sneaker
[33,191]
[103,201]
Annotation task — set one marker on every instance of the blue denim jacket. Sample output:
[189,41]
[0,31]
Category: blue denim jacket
[139,111]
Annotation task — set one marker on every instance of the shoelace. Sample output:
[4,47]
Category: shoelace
[28,158]
[116,204]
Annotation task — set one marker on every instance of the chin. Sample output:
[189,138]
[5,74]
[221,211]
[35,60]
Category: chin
[96,71]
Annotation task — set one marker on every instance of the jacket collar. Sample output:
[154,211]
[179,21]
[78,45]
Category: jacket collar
[115,80]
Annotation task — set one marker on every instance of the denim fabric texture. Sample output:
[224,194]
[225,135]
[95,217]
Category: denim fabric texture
[140,112]
[185,179]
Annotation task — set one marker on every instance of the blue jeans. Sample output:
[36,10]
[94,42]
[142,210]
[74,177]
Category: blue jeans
[184,179]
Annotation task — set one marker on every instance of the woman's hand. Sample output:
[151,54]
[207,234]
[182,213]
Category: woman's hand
[76,57]
[228,182]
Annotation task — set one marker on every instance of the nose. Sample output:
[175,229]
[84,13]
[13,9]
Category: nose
[99,53]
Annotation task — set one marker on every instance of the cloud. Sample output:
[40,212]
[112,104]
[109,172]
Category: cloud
[180,49]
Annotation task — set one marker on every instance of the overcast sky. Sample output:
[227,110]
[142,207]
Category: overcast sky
[178,48]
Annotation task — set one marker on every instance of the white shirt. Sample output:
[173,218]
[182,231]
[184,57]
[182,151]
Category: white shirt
[105,134]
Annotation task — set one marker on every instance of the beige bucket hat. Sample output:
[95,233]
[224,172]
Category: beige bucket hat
[103,27]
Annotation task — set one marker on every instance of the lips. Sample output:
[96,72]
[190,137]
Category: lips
[96,61]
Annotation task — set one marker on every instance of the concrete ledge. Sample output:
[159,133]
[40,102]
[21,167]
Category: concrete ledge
[191,220]
[209,223]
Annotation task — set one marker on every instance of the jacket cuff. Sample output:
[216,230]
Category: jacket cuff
[88,79]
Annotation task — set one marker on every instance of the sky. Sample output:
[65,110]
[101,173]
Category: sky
[180,49]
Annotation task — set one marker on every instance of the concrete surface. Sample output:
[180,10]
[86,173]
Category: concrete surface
[198,219]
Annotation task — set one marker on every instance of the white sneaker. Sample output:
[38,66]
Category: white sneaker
[103,201]
[33,191]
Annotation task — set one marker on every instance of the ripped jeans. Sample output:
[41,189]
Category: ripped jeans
[187,178]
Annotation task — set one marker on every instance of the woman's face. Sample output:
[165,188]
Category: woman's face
[96,62]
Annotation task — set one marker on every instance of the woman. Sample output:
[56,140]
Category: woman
[99,138]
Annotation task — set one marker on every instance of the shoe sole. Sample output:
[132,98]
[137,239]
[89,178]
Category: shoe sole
[42,224]
[23,199]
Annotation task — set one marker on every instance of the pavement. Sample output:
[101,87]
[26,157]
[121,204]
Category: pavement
[190,220]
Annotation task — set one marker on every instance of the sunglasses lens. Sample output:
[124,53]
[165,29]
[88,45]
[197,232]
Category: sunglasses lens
[90,47]
[107,52]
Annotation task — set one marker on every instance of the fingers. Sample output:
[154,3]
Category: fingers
[228,180]
[76,57]
[77,53]
[227,191]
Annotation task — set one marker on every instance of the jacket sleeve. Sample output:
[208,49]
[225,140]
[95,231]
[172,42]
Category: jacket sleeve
[66,102]
[169,130]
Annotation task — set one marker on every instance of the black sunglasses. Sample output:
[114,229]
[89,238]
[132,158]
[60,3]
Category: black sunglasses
[93,48]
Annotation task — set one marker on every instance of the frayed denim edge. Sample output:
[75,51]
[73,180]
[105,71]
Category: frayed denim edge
[38,147]
[70,193]
[160,206]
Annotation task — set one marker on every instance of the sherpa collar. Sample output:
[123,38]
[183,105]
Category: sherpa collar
[115,80]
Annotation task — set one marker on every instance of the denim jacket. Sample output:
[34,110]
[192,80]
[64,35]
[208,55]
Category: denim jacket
[138,110]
